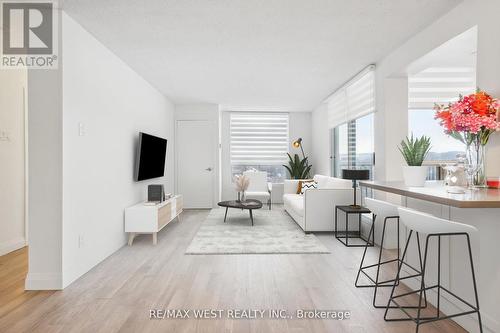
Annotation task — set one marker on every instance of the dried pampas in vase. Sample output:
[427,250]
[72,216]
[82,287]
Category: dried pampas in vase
[241,183]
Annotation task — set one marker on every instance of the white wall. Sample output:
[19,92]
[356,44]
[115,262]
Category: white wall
[12,159]
[45,179]
[390,130]
[320,157]
[113,103]
[210,112]
[81,184]
[391,124]
[299,127]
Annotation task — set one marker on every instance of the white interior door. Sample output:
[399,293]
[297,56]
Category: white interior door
[196,162]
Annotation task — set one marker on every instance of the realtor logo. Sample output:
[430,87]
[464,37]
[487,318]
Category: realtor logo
[28,35]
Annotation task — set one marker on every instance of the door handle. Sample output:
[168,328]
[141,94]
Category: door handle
[208,169]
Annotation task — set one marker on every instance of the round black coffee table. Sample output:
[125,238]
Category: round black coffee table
[249,204]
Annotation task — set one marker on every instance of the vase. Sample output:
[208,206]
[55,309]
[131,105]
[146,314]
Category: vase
[241,196]
[414,176]
[476,158]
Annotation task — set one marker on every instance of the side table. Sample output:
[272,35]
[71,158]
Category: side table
[344,236]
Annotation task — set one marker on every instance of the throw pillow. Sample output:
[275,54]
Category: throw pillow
[299,185]
[307,186]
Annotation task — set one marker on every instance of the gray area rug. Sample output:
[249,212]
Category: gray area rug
[274,231]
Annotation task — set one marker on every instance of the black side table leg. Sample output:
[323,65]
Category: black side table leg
[335,231]
[346,229]
[225,215]
[251,216]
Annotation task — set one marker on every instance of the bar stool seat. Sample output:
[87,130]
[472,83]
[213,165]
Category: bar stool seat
[386,212]
[422,223]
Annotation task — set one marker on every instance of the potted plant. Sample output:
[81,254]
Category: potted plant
[297,167]
[414,151]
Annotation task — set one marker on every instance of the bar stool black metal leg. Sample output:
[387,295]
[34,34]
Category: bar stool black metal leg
[400,266]
[438,308]
[380,260]
[474,284]
[372,230]
[422,285]
[421,267]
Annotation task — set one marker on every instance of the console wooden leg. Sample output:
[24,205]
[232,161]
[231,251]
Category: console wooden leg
[155,238]
[131,237]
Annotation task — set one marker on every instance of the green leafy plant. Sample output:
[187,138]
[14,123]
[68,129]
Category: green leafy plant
[297,167]
[414,150]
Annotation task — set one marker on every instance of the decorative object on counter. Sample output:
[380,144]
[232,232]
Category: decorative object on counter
[355,175]
[451,180]
[298,168]
[414,151]
[471,120]
[241,183]
[493,182]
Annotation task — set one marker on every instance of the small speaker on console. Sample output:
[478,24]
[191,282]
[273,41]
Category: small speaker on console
[156,193]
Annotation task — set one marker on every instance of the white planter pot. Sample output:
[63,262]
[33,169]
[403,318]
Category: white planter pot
[415,175]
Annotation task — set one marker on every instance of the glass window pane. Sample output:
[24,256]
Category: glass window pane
[275,173]
[360,154]
[365,143]
[443,147]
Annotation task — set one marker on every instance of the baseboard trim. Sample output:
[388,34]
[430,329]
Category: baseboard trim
[43,281]
[13,245]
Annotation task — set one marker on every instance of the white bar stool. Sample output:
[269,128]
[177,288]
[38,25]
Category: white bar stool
[422,223]
[387,212]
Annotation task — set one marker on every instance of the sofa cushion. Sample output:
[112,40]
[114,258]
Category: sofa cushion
[325,182]
[294,202]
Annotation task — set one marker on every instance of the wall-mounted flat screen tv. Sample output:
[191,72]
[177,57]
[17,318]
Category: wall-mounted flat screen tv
[150,158]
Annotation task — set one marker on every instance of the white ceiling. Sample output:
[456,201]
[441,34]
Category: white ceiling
[279,54]
[459,51]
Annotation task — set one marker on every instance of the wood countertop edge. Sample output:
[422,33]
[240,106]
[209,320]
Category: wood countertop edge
[432,198]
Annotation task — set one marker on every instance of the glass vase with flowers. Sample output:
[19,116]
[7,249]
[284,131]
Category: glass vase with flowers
[472,120]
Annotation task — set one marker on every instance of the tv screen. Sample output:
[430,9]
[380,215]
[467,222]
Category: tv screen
[150,159]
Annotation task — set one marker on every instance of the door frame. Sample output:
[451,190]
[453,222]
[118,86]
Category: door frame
[214,149]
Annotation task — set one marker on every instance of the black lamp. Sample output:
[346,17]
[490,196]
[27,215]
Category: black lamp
[355,175]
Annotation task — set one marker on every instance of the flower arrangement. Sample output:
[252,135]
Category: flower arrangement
[241,183]
[473,117]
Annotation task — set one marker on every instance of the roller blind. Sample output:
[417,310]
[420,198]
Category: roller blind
[353,100]
[440,85]
[259,138]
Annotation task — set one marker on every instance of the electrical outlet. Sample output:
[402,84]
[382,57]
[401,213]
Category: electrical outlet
[81,241]
[4,135]
[81,129]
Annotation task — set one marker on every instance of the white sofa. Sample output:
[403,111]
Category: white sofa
[314,211]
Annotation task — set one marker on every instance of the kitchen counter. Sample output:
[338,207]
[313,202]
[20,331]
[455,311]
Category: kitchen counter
[479,208]
[435,192]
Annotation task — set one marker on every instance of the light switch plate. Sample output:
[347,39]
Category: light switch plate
[4,135]
[81,129]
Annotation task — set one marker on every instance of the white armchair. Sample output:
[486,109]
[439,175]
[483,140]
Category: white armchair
[314,211]
[258,188]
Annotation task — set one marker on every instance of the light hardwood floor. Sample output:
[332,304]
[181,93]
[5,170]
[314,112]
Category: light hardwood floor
[116,296]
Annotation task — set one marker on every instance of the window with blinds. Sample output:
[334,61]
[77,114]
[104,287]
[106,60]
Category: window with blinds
[353,100]
[259,141]
[440,85]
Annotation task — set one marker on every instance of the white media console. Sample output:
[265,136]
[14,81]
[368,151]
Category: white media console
[150,219]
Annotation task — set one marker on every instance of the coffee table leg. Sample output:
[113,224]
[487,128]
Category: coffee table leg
[251,216]
[225,215]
